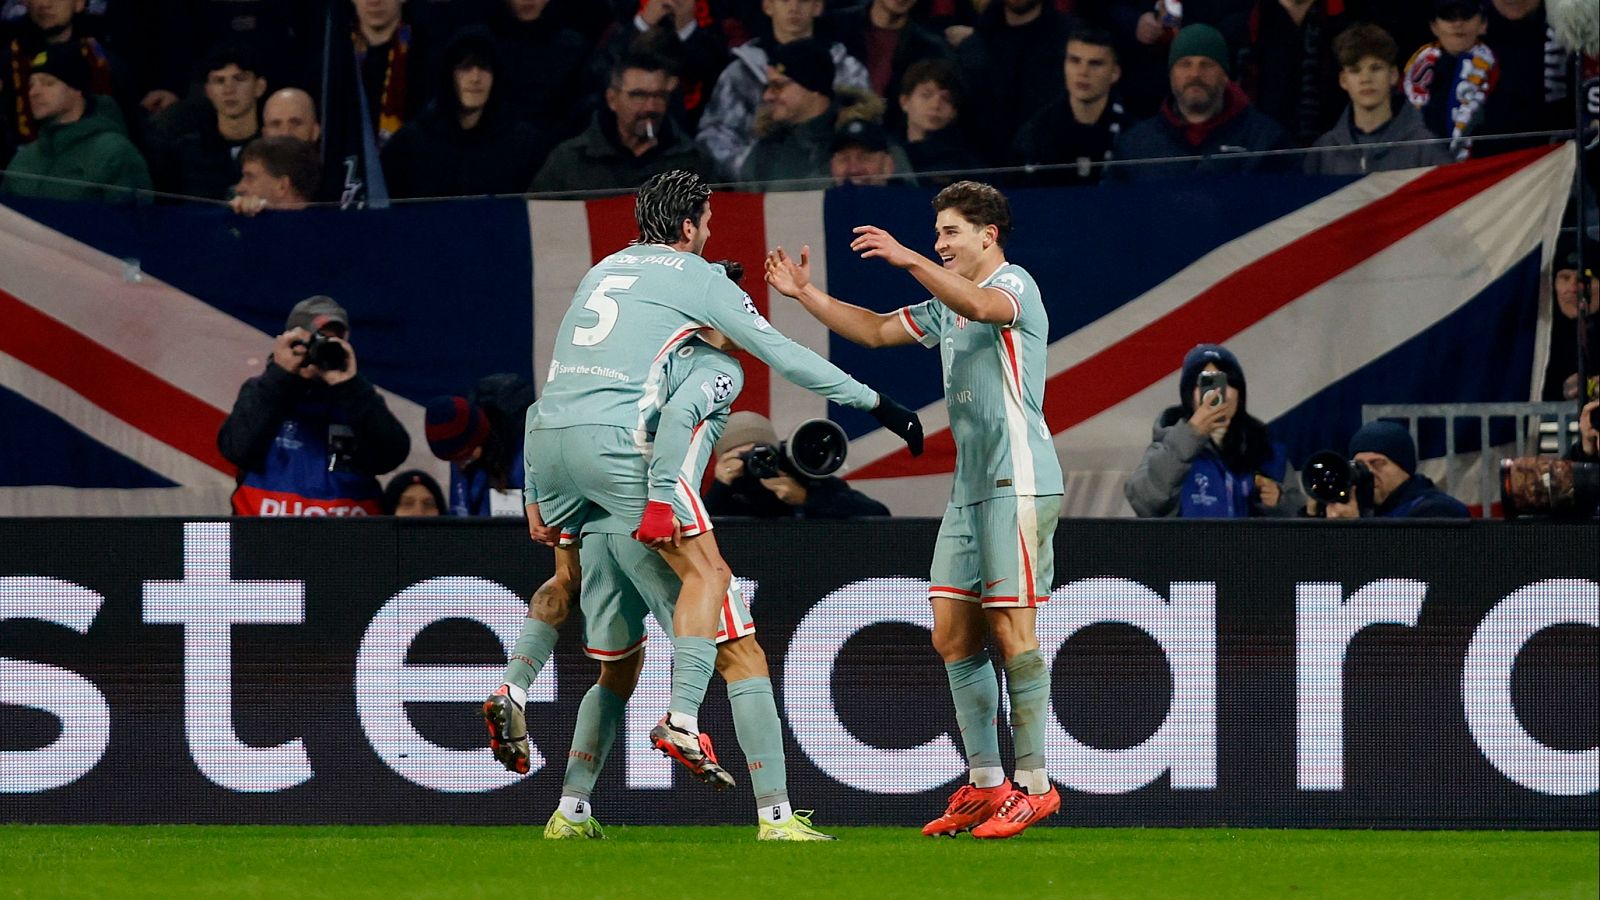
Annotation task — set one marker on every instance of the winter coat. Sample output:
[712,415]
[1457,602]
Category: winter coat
[1407,125]
[1015,70]
[278,434]
[791,151]
[199,163]
[93,149]
[597,160]
[727,127]
[1183,475]
[1239,127]
[1418,498]
[1054,137]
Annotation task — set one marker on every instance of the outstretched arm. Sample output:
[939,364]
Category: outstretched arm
[858,324]
[978,304]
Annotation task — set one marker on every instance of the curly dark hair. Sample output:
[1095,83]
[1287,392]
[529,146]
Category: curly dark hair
[978,203]
[665,202]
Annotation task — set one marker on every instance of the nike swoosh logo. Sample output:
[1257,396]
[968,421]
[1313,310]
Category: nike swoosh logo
[993,583]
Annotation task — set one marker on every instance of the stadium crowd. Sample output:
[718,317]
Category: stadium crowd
[433,98]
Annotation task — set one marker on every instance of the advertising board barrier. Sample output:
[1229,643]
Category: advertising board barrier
[1278,674]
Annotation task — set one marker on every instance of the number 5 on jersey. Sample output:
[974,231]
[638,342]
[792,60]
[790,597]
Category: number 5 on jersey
[604,307]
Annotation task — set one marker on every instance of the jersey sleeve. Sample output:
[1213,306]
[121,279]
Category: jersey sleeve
[1015,288]
[731,311]
[682,436]
[923,321]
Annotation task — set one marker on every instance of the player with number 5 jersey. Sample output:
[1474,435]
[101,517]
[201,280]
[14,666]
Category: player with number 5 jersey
[588,437]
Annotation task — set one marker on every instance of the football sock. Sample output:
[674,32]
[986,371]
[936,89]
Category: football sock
[755,721]
[775,813]
[576,809]
[533,649]
[694,659]
[598,716]
[1034,781]
[987,776]
[1028,681]
[976,693]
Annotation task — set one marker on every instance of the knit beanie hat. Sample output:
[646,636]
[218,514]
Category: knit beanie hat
[1388,438]
[455,427]
[65,62]
[1199,40]
[745,427]
[808,62]
[1195,361]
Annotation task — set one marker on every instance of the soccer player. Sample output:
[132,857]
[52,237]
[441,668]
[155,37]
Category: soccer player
[993,562]
[623,581]
[586,439]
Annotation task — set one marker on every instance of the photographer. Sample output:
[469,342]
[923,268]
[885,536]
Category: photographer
[735,492]
[310,434]
[1398,492]
[1207,457]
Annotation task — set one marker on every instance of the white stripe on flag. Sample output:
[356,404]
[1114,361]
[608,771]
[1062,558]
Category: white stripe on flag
[558,231]
[794,220]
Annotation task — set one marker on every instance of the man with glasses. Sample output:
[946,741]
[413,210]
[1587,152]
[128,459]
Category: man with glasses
[630,140]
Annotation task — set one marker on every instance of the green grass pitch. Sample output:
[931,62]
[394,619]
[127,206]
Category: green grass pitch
[711,862]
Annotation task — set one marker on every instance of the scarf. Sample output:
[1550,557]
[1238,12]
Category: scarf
[1469,87]
[22,67]
[392,102]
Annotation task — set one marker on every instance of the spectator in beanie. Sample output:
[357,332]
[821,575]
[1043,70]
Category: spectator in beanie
[1208,458]
[412,493]
[80,137]
[481,437]
[1399,491]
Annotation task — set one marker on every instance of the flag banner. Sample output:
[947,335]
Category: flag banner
[1420,286]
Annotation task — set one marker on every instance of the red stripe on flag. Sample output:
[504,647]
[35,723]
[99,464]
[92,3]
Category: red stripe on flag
[1238,301]
[738,232]
[124,390]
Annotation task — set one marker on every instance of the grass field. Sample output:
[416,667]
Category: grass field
[877,863]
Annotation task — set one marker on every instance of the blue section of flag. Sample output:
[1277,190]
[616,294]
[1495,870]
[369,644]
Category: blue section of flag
[1482,353]
[439,294]
[42,448]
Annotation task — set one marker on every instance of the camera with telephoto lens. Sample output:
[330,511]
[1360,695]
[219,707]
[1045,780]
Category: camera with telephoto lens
[1547,486]
[325,353]
[815,450]
[1330,478]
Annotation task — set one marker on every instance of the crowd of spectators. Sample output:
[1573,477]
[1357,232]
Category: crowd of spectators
[426,98]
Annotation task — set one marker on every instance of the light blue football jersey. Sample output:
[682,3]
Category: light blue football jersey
[994,388]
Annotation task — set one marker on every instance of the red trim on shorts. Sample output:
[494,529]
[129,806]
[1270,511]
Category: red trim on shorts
[616,654]
[1027,568]
[700,522]
[946,589]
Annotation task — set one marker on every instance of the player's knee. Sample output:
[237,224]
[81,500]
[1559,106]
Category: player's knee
[740,659]
[1012,636]
[953,643]
[621,676]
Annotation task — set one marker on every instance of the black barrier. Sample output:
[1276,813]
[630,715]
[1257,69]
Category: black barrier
[330,671]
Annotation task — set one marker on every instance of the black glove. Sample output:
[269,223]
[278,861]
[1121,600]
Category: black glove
[899,420]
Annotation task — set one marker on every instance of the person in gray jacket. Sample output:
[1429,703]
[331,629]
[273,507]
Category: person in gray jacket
[1376,114]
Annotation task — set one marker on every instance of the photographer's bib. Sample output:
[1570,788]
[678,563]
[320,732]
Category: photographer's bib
[303,477]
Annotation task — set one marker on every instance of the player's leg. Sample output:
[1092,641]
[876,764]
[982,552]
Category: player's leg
[743,665]
[705,579]
[503,712]
[594,731]
[959,632]
[1019,559]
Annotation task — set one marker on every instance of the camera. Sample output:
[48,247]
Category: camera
[325,353]
[1213,381]
[816,450]
[1544,485]
[1330,478]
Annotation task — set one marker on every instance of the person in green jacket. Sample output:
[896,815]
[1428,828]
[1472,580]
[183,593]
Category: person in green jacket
[81,138]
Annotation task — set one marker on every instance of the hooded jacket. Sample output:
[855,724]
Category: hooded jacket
[597,160]
[93,149]
[434,156]
[727,128]
[1359,159]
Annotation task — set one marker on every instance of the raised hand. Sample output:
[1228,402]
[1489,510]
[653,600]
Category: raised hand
[873,242]
[787,276]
